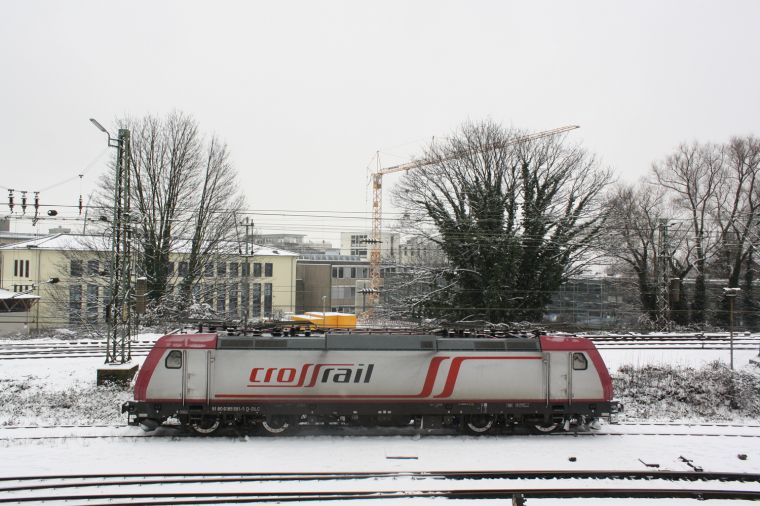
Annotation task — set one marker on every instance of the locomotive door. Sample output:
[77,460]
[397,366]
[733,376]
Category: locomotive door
[195,387]
[559,376]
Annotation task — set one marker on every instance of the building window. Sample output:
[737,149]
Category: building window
[257,270]
[233,298]
[233,269]
[93,267]
[256,313]
[221,269]
[21,268]
[76,269]
[246,269]
[170,268]
[183,268]
[92,303]
[209,270]
[353,272]
[267,270]
[342,292]
[221,295]
[245,297]
[75,303]
[268,299]
[106,303]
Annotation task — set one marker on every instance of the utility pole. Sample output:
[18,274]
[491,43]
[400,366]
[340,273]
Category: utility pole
[119,349]
[663,273]
[247,223]
[121,321]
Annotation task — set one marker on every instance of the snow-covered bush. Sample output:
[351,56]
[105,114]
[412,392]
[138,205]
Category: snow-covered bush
[712,392]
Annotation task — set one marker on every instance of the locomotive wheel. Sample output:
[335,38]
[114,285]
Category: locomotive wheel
[479,424]
[544,429]
[276,424]
[206,426]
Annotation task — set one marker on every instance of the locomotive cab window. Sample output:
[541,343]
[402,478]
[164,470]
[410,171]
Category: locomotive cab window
[173,360]
[580,362]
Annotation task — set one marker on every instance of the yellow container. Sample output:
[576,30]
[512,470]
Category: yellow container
[331,320]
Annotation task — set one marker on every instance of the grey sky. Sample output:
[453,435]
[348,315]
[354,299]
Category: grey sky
[304,93]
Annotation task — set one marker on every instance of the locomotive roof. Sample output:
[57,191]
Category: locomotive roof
[379,342]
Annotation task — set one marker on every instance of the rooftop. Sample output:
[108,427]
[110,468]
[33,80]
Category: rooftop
[77,242]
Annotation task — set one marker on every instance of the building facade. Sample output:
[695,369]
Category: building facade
[357,243]
[255,286]
[331,283]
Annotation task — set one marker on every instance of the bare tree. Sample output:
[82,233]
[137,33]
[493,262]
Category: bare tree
[693,175]
[164,169]
[213,219]
[632,238]
[736,207]
[185,197]
[513,219]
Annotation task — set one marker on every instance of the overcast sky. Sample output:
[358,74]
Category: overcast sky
[305,93]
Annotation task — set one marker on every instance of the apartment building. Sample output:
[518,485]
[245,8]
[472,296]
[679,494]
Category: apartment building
[258,285]
[331,283]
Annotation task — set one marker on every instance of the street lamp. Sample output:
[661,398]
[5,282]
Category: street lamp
[112,142]
[324,314]
[364,292]
[730,293]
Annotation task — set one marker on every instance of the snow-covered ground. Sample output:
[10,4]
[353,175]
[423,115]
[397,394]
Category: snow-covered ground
[58,384]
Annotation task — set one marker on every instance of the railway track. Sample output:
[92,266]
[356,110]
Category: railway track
[17,350]
[228,488]
[121,431]
[65,349]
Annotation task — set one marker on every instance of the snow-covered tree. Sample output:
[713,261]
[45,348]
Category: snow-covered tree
[514,219]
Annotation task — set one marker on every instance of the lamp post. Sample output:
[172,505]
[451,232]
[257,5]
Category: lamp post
[730,293]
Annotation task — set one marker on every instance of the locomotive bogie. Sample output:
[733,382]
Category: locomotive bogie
[476,384]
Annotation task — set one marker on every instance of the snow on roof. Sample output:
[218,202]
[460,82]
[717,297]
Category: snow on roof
[7,294]
[62,242]
[69,242]
[267,251]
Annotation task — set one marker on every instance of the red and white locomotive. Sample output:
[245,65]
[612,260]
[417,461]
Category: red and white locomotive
[477,383]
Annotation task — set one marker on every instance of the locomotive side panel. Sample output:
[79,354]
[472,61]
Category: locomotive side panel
[576,367]
[586,382]
[166,378]
[267,376]
[573,376]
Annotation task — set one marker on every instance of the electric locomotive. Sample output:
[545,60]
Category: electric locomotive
[277,383]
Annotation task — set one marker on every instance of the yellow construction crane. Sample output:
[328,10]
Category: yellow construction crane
[377,198]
